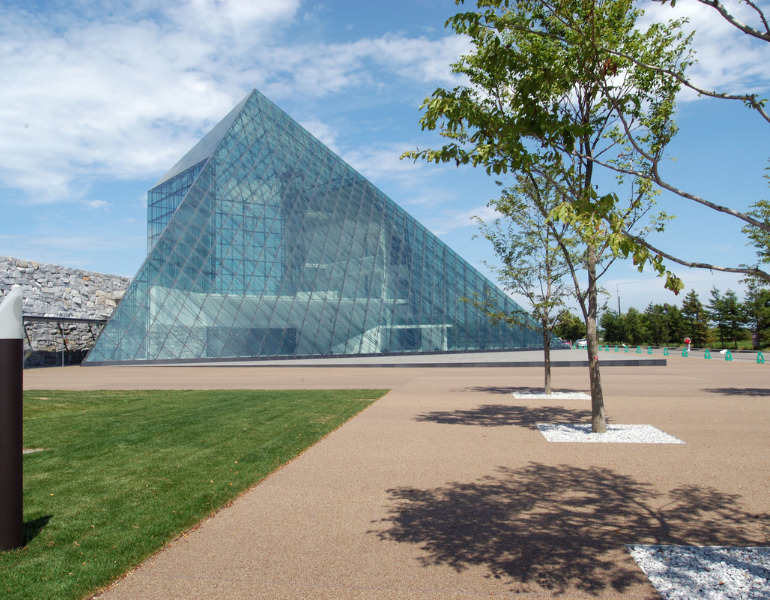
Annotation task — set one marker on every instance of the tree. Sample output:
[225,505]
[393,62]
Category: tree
[714,312]
[633,327]
[655,323]
[759,236]
[734,316]
[663,322]
[756,220]
[757,310]
[756,32]
[695,321]
[569,327]
[727,315]
[675,324]
[533,264]
[612,327]
[545,100]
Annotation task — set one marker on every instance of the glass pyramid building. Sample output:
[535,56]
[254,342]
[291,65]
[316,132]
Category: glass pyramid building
[263,243]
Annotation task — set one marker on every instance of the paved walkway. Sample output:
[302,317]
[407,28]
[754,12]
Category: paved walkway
[445,488]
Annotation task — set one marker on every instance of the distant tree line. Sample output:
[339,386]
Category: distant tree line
[723,321]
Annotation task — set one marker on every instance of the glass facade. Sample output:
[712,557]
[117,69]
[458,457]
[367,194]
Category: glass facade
[264,243]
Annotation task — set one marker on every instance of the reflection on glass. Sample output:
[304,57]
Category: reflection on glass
[262,242]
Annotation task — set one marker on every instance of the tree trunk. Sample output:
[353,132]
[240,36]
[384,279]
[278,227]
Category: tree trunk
[547,361]
[598,419]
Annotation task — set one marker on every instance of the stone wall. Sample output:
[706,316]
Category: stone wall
[56,291]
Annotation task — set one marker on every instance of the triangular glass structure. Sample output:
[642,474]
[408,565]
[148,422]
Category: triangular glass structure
[264,243]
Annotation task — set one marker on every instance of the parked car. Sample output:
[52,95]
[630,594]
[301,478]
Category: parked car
[581,343]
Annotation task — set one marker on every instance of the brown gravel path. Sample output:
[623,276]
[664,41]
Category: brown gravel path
[445,489]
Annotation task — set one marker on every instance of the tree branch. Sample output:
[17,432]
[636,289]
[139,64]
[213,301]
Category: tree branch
[753,271]
[655,177]
[748,30]
[760,13]
[748,99]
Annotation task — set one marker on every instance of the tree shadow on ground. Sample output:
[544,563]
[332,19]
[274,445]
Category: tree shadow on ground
[561,528]
[501,415]
[493,389]
[31,529]
[732,391]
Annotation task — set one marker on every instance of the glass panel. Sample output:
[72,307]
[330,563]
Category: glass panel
[262,242]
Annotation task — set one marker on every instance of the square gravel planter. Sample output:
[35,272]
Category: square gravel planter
[706,572]
[616,434]
[552,396]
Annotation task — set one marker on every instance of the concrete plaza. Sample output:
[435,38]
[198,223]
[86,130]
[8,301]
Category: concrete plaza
[445,488]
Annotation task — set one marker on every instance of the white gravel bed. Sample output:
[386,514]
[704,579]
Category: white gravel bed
[617,434]
[706,572]
[552,396]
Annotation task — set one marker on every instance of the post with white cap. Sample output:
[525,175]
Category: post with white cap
[11,452]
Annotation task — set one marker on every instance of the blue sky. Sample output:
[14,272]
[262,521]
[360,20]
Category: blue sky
[99,98]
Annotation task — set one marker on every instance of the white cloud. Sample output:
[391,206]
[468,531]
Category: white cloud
[126,91]
[232,18]
[639,290]
[96,99]
[434,194]
[322,69]
[83,251]
[380,162]
[447,221]
[421,59]
[323,132]
[728,60]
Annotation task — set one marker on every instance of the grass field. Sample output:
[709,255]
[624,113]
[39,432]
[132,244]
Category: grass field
[123,473]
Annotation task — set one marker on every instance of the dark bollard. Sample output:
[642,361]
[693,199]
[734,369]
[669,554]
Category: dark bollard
[11,452]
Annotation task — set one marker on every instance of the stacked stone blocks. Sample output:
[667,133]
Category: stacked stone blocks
[56,291]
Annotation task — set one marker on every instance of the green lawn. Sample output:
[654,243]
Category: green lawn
[123,473]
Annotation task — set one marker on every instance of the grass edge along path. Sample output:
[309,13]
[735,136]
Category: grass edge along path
[124,473]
